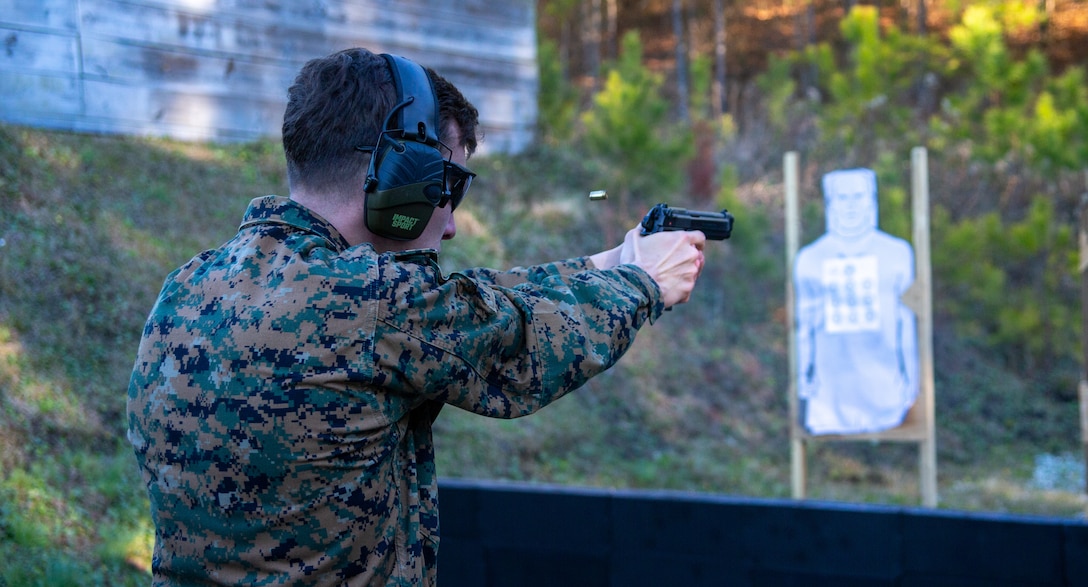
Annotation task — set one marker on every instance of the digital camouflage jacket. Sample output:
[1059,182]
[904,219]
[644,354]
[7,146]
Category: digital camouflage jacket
[281,402]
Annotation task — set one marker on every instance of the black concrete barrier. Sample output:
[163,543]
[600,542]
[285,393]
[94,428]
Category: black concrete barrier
[499,534]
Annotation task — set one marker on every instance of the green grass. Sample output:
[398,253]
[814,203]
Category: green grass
[90,225]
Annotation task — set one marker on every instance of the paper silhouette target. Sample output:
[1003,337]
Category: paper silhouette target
[856,341]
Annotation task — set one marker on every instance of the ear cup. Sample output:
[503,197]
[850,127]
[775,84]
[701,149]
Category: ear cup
[406,178]
[407,190]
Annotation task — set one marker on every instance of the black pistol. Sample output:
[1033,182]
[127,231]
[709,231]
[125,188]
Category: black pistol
[715,225]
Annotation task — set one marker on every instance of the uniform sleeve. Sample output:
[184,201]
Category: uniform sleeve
[535,274]
[508,350]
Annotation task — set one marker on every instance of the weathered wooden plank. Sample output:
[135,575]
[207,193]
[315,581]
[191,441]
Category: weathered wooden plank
[501,107]
[454,32]
[150,25]
[367,13]
[186,115]
[117,61]
[44,53]
[49,14]
[487,74]
[271,34]
[513,11]
[31,94]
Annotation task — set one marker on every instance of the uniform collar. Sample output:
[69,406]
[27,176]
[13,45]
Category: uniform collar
[281,210]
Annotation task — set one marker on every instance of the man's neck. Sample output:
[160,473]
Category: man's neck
[348,219]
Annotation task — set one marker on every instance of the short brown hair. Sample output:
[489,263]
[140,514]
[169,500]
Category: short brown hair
[340,102]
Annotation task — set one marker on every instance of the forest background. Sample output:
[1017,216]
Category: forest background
[690,103]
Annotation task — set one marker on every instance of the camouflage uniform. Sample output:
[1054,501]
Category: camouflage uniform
[281,402]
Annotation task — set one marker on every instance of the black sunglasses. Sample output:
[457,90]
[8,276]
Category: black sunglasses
[458,178]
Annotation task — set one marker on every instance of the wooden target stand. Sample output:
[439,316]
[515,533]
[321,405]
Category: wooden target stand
[1082,391]
[918,425]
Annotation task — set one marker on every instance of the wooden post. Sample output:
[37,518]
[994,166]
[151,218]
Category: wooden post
[793,240]
[923,279]
[1084,427]
[1083,388]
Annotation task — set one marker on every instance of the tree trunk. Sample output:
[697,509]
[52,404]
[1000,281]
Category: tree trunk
[720,88]
[591,39]
[611,29]
[805,35]
[681,59]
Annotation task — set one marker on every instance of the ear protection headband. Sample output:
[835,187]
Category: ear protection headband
[406,180]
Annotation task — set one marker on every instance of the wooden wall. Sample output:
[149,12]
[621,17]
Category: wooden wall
[220,69]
